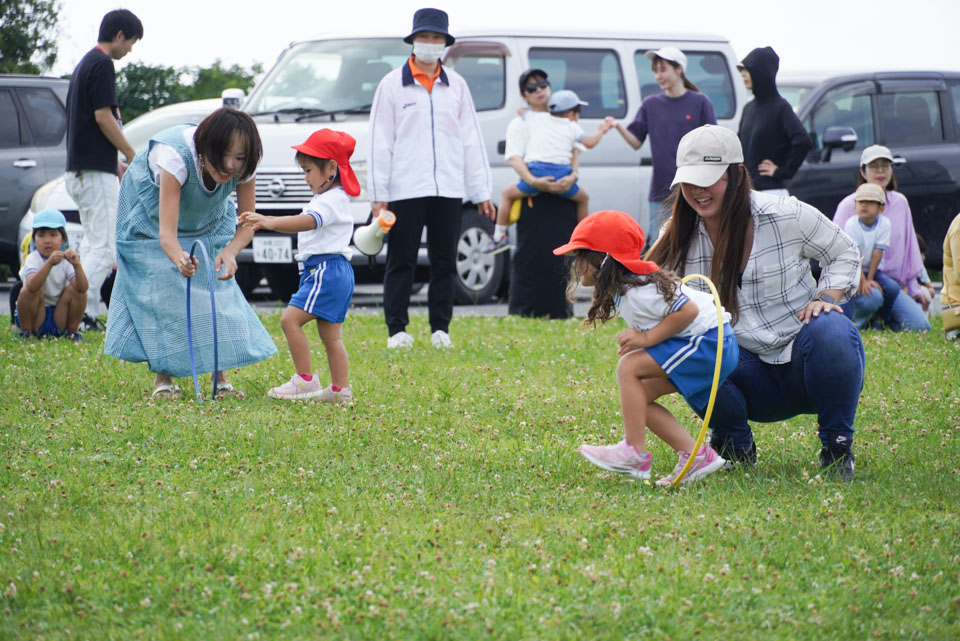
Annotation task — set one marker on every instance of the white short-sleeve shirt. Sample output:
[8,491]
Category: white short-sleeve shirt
[876,236]
[547,138]
[331,211]
[643,307]
[60,276]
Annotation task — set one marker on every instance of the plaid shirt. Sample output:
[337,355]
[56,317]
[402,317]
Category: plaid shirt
[777,283]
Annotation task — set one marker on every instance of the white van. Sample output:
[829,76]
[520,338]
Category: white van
[330,82]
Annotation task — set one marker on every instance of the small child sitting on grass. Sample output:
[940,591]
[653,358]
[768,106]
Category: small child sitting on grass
[54,292]
[674,350]
[552,151]
[323,233]
[876,292]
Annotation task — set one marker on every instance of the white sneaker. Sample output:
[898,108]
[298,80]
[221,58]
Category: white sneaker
[345,395]
[297,389]
[441,340]
[400,339]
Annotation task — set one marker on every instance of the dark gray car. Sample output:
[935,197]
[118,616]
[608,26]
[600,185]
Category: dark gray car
[33,148]
[916,115]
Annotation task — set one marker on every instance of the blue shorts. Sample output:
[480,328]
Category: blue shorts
[49,327]
[542,169]
[326,287]
[689,362]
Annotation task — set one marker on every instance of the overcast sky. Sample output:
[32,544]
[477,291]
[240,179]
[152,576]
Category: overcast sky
[809,35]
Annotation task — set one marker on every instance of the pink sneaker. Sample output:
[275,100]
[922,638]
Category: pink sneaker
[706,463]
[297,389]
[619,457]
[345,395]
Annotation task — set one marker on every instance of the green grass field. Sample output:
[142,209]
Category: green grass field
[450,502]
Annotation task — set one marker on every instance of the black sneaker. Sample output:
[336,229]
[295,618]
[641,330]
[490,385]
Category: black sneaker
[735,455]
[837,463]
[88,324]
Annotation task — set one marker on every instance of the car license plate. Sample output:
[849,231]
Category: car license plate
[277,249]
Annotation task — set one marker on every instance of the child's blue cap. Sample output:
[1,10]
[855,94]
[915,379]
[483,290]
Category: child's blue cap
[49,218]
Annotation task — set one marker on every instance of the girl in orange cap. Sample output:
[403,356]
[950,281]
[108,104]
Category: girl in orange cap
[323,233]
[679,329]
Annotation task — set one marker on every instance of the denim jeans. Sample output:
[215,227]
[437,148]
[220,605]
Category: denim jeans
[824,377]
[907,314]
[860,309]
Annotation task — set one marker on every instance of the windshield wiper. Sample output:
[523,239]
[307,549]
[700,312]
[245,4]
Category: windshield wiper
[314,113]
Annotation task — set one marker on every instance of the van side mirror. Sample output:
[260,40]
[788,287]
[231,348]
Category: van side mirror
[837,137]
[232,98]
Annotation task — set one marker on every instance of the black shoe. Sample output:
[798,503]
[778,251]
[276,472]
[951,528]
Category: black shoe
[837,463]
[735,455]
[88,324]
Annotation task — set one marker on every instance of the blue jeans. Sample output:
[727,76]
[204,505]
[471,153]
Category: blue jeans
[860,309]
[824,377]
[907,314]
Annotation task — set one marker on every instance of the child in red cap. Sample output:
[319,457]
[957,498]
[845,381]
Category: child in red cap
[323,233]
[679,329]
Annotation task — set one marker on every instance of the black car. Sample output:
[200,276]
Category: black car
[33,148]
[916,115]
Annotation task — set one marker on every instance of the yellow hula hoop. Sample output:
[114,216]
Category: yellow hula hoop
[716,376]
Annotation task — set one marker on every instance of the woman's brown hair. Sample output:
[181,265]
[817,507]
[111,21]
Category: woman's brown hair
[215,133]
[671,249]
[686,81]
[613,280]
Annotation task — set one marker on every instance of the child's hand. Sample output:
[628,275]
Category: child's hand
[56,257]
[630,339]
[72,256]
[610,122]
[866,285]
[255,221]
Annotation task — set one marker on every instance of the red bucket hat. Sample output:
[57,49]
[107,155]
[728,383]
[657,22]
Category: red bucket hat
[614,233]
[336,146]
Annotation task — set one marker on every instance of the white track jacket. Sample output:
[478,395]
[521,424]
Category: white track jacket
[425,144]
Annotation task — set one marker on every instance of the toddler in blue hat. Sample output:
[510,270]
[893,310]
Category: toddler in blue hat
[54,292]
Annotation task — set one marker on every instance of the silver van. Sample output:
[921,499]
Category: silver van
[330,82]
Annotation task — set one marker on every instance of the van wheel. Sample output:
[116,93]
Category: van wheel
[284,280]
[478,276]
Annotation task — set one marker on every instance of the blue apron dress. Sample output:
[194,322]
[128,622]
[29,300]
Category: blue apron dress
[147,319]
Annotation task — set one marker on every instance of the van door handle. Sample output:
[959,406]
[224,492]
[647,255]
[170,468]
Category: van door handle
[25,163]
[502,147]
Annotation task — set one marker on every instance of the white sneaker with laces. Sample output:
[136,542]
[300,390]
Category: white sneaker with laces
[400,339]
[297,389]
[441,340]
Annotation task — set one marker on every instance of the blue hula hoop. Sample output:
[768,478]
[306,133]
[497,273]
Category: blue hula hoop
[213,313]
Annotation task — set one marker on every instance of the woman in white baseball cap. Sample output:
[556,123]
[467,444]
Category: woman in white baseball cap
[665,118]
[902,260]
[798,353]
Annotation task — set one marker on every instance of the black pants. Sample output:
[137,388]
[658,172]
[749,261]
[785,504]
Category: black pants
[538,283]
[442,219]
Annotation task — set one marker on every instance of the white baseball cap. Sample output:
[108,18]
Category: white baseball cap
[873,152]
[564,100]
[704,154]
[668,53]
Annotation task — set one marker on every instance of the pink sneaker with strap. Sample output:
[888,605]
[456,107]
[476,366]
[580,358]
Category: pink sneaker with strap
[706,463]
[619,457]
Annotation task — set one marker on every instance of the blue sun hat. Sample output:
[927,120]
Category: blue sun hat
[430,20]
[49,219]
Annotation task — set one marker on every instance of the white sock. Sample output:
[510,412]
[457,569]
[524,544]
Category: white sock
[499,231]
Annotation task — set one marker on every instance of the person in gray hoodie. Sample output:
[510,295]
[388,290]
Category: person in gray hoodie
[773,138]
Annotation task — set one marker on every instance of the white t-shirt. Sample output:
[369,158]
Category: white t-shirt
[869,238]
[331,211]
[643,307]
[163,156]
[541,137]
[60,276]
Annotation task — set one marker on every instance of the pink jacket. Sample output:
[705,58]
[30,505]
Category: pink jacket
[901,261]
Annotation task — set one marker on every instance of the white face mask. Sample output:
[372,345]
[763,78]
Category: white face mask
[428,52]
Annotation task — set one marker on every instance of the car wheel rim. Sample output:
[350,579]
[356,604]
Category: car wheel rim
[474,269]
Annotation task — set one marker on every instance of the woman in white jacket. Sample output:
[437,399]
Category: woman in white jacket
[426,157]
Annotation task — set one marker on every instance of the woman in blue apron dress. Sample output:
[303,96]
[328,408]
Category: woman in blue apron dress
[175,192]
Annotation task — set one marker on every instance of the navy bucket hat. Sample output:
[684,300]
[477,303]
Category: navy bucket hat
[430,20]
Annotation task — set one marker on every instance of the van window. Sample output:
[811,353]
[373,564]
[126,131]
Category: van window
[955,94]
[483,66]
[9,121]
[845,106]
[329,75]
[595,75]
[911,118]
[706,69]
[47,117]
